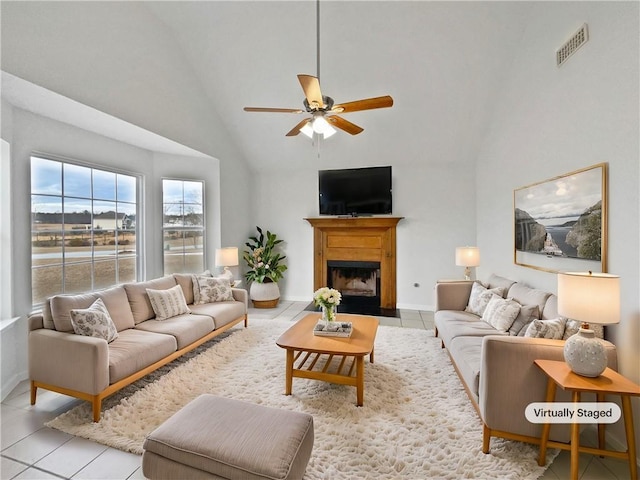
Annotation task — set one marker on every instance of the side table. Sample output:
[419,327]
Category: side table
[609,382]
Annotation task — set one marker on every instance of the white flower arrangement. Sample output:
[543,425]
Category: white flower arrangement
[327,297]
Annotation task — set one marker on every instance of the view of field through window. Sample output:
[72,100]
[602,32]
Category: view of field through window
[183,226]
[84,228]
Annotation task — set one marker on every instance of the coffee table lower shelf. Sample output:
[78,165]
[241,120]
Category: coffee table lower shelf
[339,369]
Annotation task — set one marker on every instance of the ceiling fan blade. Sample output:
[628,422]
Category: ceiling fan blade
[296,130]
[343,124]
[311,87]
[366,104]
[276,110]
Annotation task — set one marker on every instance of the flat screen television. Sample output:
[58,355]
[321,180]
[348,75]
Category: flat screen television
[355,191]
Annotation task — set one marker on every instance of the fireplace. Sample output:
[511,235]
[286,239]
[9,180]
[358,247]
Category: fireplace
[351,245]
[356,281]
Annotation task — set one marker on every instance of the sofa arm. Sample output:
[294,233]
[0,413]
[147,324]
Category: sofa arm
[241,295]
[453,295]
[509,381]
[67,360]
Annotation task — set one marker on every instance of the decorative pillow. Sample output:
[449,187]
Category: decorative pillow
[480,297]
[168,303]
[94,321]
[213,289]
[528,313]
[552,329]
[196,289]
[501,313]
[572,327]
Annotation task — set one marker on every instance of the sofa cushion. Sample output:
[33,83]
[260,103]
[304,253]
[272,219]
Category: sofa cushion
[525,295]
[550,309]
[552,329]
[221,312]
[479,298]
[211,289]
[501,313]
[186,328]
[452,324]
[527,314]
[168,303]
[139,300]
[94,321]
[115,299]
[500,282]
[134,350]
[467,354]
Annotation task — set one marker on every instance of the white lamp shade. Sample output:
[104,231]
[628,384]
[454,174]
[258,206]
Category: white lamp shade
[227,257]
[467,256]
[589,297]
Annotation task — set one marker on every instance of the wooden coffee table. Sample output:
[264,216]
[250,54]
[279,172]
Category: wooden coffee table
[330,359]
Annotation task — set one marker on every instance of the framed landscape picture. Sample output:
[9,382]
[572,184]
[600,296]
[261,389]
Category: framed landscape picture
[560,224]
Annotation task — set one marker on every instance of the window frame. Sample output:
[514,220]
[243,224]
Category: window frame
[138,230]
[184,228]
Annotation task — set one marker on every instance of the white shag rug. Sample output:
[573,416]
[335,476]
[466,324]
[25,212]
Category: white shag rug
[416,423]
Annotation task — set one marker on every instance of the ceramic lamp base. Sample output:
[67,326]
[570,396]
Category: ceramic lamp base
[585,354]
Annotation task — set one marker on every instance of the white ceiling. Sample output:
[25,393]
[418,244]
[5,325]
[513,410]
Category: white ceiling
[442,62]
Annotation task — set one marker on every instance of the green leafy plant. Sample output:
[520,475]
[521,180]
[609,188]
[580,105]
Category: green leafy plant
[263,261]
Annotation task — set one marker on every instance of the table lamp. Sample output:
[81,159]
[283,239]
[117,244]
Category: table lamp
[467,257]
[590,298]
[227,257]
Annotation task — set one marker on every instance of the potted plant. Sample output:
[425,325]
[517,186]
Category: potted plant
[265,269]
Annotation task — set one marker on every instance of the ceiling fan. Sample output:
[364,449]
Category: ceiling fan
[322,108]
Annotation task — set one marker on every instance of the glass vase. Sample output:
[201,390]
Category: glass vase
[328,315]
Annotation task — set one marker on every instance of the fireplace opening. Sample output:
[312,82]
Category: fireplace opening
[358,282]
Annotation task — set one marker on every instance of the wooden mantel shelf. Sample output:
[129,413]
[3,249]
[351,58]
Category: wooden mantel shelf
[365,239]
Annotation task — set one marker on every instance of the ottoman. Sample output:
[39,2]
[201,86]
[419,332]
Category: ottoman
[215,437]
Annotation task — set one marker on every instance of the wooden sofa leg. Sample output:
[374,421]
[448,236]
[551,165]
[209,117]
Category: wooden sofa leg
[486,438]
[96,403]
[246,321]
[34,389]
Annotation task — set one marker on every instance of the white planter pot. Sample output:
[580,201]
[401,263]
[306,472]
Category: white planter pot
[264,295]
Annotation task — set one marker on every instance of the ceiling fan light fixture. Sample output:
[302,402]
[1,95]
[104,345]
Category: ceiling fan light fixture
[321,126]
[307,130]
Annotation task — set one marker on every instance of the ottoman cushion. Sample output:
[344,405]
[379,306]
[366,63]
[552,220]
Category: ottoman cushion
[225,438]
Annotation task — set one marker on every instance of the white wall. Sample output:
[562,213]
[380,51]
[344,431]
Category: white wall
[550,121]
[435,200]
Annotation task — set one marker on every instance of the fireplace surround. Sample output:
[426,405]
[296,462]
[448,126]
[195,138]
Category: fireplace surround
[367,240]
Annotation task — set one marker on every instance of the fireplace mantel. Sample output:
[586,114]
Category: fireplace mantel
[367,239]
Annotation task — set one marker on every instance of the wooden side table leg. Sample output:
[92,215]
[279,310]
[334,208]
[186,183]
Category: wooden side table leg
[601,427]
[575,441]
[371,355]
[289,372]
[631,439]
[360,380]
[551,394]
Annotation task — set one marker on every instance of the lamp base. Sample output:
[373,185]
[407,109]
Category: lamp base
[585,354]
[467,273]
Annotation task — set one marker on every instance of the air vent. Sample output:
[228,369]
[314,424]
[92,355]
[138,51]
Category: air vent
[574,43]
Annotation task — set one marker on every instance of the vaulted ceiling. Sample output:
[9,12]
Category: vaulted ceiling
[444,64]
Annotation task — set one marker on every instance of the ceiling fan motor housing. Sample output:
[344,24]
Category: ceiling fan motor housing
[328,105]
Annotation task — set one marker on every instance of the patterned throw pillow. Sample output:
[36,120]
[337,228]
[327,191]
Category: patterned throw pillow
[501,313]
[94,321]
[552,329]
[168,303]
[572,327]
[480,297]
[528,313]
[214,289]
[196,288]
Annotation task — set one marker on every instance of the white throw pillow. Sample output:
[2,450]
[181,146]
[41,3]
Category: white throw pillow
[168,303]
[572,327]
[213,289]
[552,329]
[480,297]
[196,289]
[501,313]
[94,321]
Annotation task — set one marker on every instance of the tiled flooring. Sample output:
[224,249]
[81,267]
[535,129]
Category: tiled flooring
[32,451]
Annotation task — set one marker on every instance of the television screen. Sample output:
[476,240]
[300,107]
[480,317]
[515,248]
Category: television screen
[355,191]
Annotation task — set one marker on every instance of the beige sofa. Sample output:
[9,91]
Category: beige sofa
[496,368]
[91,369]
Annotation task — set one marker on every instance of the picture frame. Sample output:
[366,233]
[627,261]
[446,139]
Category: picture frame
[560,224]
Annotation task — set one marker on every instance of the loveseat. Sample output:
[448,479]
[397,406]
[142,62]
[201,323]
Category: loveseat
[494,355]
[65,358]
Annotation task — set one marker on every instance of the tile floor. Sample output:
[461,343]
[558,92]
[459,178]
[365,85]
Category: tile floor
[29,450]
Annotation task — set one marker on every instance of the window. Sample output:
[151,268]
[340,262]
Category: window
[83,228]
[183,226]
